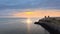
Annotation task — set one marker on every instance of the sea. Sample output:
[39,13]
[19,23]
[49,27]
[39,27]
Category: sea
[21,26]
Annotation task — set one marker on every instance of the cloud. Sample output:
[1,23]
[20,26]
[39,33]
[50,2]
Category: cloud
[9,6]
[23,4]
[35,13]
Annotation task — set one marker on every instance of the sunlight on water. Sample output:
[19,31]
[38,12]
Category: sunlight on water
[20,26]
[28,25]
[29,21]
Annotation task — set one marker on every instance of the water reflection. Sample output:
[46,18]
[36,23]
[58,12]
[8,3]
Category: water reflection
[31,26]
[20,26]
[28,22]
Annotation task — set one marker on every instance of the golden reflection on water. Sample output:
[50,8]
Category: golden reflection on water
[28,25]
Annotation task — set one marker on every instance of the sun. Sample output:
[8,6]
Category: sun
[29,13]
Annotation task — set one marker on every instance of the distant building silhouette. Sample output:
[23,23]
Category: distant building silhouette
[45,17]
[48,16]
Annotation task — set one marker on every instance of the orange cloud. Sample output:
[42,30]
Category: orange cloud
[37,13]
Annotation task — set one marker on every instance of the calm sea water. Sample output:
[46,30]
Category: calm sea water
[20,26]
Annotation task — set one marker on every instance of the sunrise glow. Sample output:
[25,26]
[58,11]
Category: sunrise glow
[37,13]
[29,13]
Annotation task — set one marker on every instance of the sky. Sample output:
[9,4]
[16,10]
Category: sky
[10,7]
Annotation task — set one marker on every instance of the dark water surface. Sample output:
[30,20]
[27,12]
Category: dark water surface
[20,26]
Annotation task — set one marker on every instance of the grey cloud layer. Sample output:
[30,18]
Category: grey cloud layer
[8,6]
[22,4]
